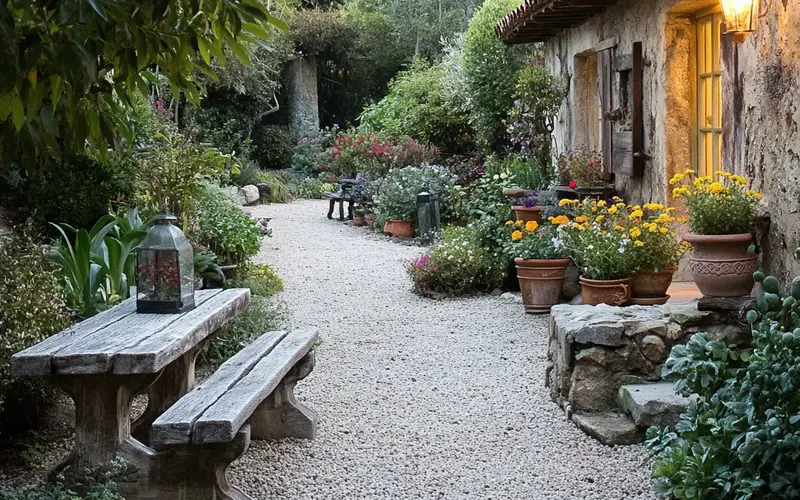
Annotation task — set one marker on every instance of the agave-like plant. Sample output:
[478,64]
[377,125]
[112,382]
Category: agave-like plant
[99,266]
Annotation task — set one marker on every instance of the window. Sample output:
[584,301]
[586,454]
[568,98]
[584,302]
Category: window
[708,154]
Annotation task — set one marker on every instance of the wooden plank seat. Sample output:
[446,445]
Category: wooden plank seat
[349,191]
[251,396]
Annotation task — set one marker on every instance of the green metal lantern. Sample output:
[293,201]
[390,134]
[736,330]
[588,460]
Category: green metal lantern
[428,214]
[165,269]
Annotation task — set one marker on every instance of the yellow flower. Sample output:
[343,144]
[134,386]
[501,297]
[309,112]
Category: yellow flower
[676,179]
[653,206]
[561,219]
[600,218]
[563,203]
[619,228]
[663,230]
[672,233]
[753,194]
[579,227]
[601,203]
[724,174]
[681,191]
[738,180]
[638,243]
[716,188]
[510,223]
[636,232]
[670,210]
[581,218]
[612,210]
[636,213]
[531,225]
[516,235]
[519,223]
[653,228]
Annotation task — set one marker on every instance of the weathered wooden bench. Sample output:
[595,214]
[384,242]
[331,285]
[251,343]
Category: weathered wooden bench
[349,191]
[250,396]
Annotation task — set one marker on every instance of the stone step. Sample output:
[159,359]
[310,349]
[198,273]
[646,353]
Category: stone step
[609,428]
[652,404]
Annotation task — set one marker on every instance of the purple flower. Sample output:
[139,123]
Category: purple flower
[530,201]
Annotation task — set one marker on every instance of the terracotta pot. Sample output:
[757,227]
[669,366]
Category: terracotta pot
[402,228]
[540,282]
[358,220]
[369,220]
[611,292]
[648,283]
[527,214]
[720,265]
[387,228]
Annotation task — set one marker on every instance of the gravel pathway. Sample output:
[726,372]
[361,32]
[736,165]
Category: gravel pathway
[418,398]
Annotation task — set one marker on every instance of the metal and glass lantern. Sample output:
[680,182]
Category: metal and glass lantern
[165,269]
[428,214]
[741,17]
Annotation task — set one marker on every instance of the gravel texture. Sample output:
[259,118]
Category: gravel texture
[418,398]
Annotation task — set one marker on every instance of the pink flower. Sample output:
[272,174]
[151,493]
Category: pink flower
[323,166]
[573,184]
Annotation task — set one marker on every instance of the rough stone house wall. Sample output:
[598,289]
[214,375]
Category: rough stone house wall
[761,104]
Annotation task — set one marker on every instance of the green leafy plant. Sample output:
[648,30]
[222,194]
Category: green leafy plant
[417,107]
[740,439]
[224,228]
[490,70]
[457,265]
[275,148]
[264,314]
[261,279]
[279,191]
[397,198]
[312,155]
[485,196]
[725,206]
[91,484]
[32,307]
[249,174]
[537,98]
[206,265]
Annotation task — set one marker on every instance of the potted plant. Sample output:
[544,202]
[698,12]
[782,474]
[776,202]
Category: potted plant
[598,241]
[528,209]
[358,216]
[541,259]
[582,170]
[657,260]
[722,214]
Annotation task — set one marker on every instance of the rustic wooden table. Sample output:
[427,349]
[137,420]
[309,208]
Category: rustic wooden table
[105,361]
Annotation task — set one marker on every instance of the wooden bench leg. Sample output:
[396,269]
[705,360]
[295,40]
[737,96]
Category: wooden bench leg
[176,380]
[191,472]
[281,415]
[330,212]
[341,210]
[350,210]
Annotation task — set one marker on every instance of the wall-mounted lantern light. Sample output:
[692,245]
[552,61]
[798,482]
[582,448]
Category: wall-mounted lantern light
[741,17]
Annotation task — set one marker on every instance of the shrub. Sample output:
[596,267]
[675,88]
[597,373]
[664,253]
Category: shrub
[457,265]
[538,96]
[532,240]
[485,197]
[523,171]
[224,228]
[278,187]
[412,152]
[274,148]
[93,484]
[81,189]
[312,155]
[262,315]
[261,279]
[490,69]
[355,154]
[32,307]
[580,168]
[249,173]
[741,438]
[397,198]
[725,206]
[416,106]
[310,188]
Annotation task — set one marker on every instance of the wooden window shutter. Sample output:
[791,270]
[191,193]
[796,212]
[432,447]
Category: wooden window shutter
[605,75]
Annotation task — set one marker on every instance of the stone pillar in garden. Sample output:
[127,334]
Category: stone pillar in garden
[301,89]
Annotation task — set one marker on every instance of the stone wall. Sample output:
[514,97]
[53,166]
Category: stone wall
[761,101]
[594,350]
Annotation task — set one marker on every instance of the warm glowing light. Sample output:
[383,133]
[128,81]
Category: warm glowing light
[741,17]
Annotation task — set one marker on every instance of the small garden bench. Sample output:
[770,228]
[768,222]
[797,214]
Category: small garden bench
[349,190]
[250,396]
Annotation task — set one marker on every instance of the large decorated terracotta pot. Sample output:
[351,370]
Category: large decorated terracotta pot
[526,214]
[540,282]
[721,265]
[611,292]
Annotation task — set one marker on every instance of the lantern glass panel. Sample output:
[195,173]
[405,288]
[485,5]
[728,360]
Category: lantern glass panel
[741,16]
[165,270]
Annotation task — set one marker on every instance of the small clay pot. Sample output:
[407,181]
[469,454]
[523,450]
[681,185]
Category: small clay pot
[388,226]
[611,292]
[358,220]
[402,228]
[721,266]
[526,214]
[648,283]
[540,282]
[369,220]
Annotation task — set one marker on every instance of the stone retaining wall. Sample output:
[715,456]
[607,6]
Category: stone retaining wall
[594,350]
